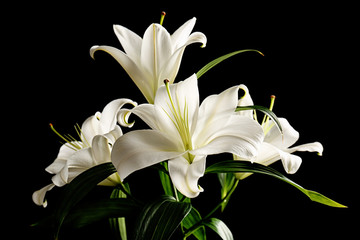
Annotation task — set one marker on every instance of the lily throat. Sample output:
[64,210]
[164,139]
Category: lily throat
[180,119]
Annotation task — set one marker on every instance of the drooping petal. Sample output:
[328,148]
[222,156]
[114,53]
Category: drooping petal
[142,148]
[109,117]
[38,196]
[185,176]
[291,162]
[147,113]
[289,137]
[130,41]
[241,136]
[245,100]
[61,177]
[309,147]
[137,74]
[181,35]
[170,70]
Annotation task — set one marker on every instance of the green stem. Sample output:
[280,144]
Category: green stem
[197,225]
[225,199]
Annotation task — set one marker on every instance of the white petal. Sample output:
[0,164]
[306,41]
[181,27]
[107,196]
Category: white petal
[310,147]
[185,176]
[290,135]
[147,113]
[291,162]
[155,51]
[267,154]
[90,128]
[113,135]
[38,197]
[61,178]
[109,115]
[185,97]
[83,158]
[214,114]
[130,41]
[241,136]
[142,148]
[245,100]
[170,70]
[181,35]
[135,71]
[101,149]
[56,166]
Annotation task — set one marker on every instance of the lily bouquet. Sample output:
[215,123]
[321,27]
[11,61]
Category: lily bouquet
[181,133]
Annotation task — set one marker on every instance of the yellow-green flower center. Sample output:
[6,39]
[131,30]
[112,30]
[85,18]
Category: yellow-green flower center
[180,119]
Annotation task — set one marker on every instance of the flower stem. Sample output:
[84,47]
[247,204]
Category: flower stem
[197,225]
[224,200]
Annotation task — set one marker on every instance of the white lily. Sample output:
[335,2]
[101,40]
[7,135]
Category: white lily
[276,146]
[153,58]
[98,134]
[184,133]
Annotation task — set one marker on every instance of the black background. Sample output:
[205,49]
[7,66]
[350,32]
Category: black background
[309,64]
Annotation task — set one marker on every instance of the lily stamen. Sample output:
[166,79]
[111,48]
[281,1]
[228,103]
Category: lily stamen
[265,122]
[162,17]
[72,142]
[180,121]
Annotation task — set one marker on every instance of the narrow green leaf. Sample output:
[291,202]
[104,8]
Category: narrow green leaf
[245,166]
[191,220]
[159,219]
[102,209]
[218,60]
[118,224]
[265,110]
[78,188]
[219,227]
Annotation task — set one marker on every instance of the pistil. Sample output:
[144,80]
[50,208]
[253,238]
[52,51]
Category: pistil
[265,122]
[162,17]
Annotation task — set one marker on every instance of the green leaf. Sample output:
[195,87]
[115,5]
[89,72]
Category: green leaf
[219,227]
[102,209]
[191,220]
[159,219]
[245,166]
[218,60]
[165,180]
[78,188]
[265,110]
[118,224]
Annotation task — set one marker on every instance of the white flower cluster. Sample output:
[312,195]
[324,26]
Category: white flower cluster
[182,131]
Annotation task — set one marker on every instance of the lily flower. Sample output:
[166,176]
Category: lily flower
[153,58]
[184,133]
[98,134]
[276,146]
